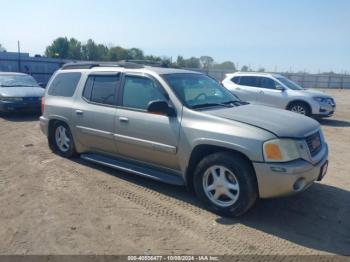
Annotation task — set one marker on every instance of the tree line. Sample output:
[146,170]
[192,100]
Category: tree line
[73,49]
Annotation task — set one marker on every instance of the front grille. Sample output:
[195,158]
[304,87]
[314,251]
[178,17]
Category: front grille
[314,143]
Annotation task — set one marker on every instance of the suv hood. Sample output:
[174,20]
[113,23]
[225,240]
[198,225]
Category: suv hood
[280,122]
[22,91]
[312,93]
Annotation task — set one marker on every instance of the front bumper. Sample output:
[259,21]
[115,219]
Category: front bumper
[282,179]
[325,110]
[10,106]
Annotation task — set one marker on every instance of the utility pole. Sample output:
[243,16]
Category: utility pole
[19,56]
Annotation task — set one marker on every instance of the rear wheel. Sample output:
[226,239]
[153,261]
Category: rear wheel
[226,183]
[300,108]
[61,140]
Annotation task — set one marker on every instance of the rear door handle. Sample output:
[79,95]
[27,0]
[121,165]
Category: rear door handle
[261,92]
[79,112]
[123,119]
[238,88]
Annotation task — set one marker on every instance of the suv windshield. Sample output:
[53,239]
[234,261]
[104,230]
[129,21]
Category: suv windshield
[290,84]
[200,91]
[17,81]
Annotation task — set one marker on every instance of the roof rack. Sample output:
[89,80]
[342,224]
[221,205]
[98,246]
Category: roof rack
[143,62]
[89,65]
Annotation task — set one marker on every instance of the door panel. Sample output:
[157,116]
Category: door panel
[95,127]
[140,135]
[95,113]
[248,88]
[147,137]
[268,95]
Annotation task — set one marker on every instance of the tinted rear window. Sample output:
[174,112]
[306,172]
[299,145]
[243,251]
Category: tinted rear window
[101,89]
[250,81]
[235,79]
[64,84]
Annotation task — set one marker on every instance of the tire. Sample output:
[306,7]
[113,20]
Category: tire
[61,140]
[300,108]
[240,176]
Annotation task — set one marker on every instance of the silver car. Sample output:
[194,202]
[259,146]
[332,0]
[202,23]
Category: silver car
[19,92]
[184,128]
[277,91]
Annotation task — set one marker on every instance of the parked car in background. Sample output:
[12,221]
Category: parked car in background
[19,92]
[277,91]
[184,128]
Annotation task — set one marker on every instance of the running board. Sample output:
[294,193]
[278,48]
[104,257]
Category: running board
[127,166]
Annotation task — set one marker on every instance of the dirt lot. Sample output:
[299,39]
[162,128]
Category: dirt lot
[51,205]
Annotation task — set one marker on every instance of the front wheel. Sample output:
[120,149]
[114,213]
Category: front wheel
[300,108]
[226,183]
[61,140]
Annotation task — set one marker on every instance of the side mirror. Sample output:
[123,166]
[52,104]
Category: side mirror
[279,87]
[41,84]
[161,108]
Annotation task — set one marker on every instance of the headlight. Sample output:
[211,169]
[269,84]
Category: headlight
[280,150]
[323,99]
[11,99]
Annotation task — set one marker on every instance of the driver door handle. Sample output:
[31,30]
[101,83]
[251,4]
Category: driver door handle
[79,112]
[123,119]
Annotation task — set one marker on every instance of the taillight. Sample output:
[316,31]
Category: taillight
[42,105]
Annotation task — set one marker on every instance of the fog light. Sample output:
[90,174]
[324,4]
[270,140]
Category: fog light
[299,185]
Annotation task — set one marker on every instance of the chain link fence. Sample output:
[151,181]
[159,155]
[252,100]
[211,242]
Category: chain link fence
[42,68]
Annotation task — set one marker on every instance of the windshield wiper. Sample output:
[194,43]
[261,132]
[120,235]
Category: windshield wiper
[237,103]
[211,104]
[17,86]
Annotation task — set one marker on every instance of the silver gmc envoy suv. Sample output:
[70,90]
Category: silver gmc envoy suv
[184,128]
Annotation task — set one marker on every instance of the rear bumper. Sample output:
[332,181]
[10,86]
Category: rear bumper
[6,106]
[281,179]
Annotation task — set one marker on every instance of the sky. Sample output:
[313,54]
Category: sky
[278,35]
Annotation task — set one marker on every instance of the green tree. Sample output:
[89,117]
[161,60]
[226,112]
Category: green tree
[227,65]
[193,62]
[207,61]
[117,53]
[2,49]
[135,53]
[93,52]
[245,68]
[180,61]
[74,49]
[58,49]
[166,62]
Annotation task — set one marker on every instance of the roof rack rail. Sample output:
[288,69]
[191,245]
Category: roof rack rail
[143,62]
[89,65]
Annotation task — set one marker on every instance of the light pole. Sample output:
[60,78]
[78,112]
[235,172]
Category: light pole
[19,56]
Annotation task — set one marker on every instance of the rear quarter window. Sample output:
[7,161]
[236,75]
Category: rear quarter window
[235,79]
[64,84]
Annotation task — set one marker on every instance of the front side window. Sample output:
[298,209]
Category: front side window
[199,91]
[8,80]
[290,84]
[64,84]
[139,91]
[101,89]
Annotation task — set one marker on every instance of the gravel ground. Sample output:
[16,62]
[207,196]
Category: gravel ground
[51,205]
